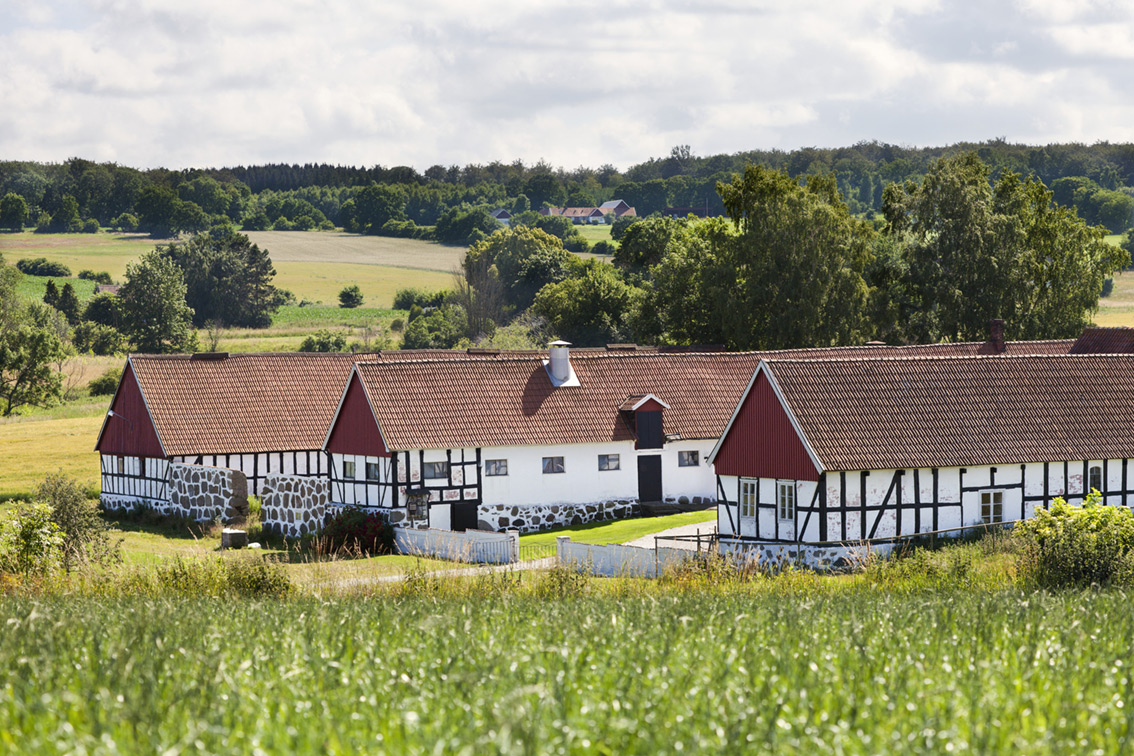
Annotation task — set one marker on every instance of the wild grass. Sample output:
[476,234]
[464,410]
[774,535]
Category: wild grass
[38,444]
[854,671]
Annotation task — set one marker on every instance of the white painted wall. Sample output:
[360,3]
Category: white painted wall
[581,482]
[1017,483]
[143,478]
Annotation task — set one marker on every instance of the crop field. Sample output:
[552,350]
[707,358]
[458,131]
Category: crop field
[38,444]
[313,265]
[801,672]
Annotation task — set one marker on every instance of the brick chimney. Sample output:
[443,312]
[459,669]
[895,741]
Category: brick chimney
[996,335]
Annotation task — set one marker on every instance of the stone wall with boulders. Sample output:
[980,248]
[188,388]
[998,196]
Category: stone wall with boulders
[131,504]
[207,493]
[532,517]
[779,556]
[293,505]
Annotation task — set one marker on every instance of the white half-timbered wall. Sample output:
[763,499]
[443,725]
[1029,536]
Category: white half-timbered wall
[129,480]
[525,484]
[256,467]
[863,505]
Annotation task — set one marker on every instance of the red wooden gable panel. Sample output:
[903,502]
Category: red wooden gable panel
[355,431]
[650,405]
[762,443]
[130,430]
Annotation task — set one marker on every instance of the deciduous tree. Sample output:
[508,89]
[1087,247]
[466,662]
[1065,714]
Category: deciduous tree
[154,313]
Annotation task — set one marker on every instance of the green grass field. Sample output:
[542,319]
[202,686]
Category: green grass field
[855,671]
[595,233]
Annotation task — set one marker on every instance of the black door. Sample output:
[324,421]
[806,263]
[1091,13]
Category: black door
[649,479]
[463,516]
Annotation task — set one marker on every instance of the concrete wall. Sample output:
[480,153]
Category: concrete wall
[293,505]
[616,560]
[472,546]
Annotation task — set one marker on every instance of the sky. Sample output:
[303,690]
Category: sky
[212,83]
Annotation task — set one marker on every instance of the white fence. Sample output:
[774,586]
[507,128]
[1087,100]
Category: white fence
[475,546]
[616,560]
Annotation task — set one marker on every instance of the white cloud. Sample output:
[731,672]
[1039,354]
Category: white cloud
[214,82]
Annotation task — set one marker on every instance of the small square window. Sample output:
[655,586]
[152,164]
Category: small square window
[495,467]
[435,470]
[992,506]
[348,470]
[785,500]
[608,462]
[553,465]
[688,459]
[372,471]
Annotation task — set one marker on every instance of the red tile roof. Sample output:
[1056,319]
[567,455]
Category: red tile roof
[1096,340]
[879,414]
[507,399]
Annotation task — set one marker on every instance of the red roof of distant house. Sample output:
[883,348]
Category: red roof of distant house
[1096,340]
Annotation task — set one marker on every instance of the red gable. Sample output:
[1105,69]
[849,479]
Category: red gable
[354,430]
[128,429]
[762,442]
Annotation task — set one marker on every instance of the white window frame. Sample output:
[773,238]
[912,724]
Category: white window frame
[121,466]
[549,462]
[377,469]
[1091,473]
[609,462]
[495,468]
[683,458]
[349,470]
[747,504]
[430,470]
[994,500]
[786,496]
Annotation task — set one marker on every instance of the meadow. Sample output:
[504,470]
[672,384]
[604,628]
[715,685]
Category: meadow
[788,668]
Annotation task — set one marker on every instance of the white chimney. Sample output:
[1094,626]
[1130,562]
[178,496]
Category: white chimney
[559,364]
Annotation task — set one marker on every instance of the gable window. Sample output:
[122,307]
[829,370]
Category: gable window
[992,506]
[785,499]
[608,462]
[553,465]
[348,470]
[748,498]
[495,467]
[1096,479]
[435,470]
[372,471]
[688,459]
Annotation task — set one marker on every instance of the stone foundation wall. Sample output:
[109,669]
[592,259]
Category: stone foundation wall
[532,517]
[130,504]
[293,505]
[778,556]
[208,493]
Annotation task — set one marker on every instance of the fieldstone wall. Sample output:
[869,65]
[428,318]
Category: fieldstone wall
[293,505]
[207,493]
[532,517]
[776,557]
[130,504]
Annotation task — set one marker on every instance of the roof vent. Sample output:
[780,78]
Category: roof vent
[621,347]
[210,356]
[559,364]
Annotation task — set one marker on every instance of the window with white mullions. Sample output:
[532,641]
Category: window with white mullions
[688,459]
[553,465]
[608,462]
[992,506]
[348,470]
[373,471]
[748,499]
[785,499]
[435,471]
[495,467]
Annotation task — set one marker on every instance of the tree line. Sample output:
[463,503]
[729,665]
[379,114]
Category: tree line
[791,266]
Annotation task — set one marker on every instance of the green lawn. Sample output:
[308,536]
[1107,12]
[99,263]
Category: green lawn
[594,233]
[619,531]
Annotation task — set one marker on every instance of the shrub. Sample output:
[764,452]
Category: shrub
[105,384]
[90,226]
[350,296]
[101,277]
[125,222]
[397,325]
[86,537]
[1070,546]
[40,266]
[30,542]
[324,341]
[603,248]
[405,299]
[104,308]
[98,339]
[353,530]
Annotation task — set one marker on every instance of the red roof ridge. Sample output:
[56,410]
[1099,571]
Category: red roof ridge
[957,357]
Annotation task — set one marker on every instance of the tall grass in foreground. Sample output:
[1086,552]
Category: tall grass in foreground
[860,671]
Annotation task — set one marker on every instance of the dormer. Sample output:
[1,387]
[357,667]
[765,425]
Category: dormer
[644,414]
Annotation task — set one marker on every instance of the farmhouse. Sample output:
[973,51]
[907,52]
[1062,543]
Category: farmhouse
[855,449]
[617,207]
[503,216]
[529,440]
[578,215]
